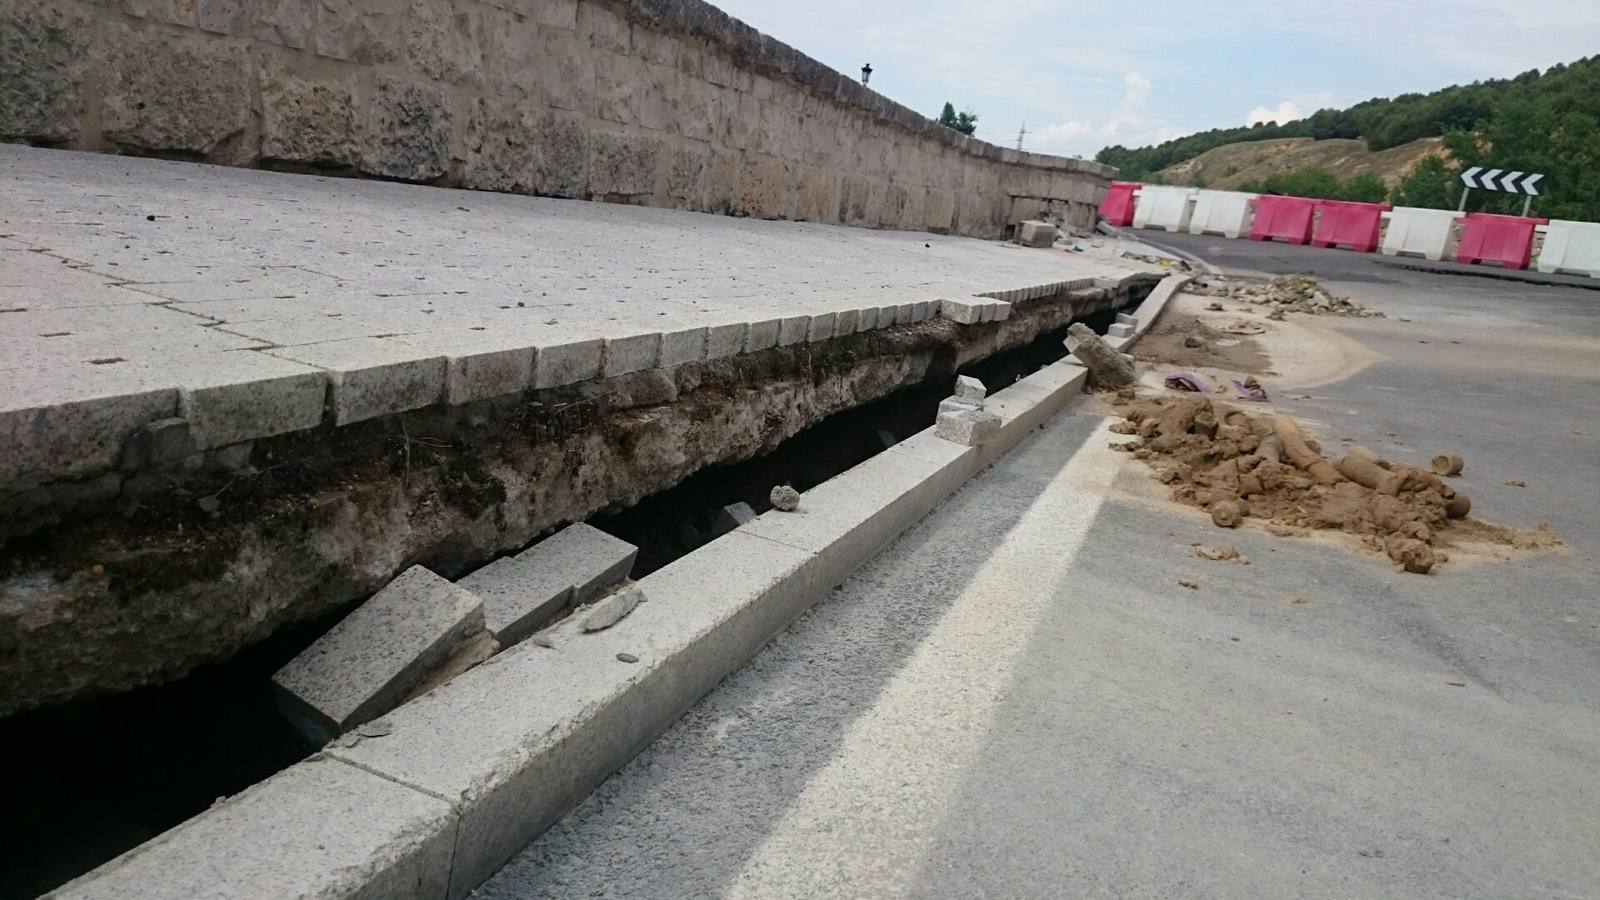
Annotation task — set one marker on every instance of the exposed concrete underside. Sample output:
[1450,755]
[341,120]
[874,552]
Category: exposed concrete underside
[142,582]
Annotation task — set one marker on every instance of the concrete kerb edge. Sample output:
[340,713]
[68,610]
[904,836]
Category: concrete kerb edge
[683,677]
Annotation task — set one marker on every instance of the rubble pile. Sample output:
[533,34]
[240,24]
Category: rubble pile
[1239,466]
[1285,293]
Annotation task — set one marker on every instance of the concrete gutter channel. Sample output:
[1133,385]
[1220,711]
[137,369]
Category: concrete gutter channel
[472,771]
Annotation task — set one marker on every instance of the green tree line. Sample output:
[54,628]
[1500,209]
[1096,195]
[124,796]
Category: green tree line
[1545,122]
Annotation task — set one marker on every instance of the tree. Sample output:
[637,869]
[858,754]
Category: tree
[1431,184]
[965,121]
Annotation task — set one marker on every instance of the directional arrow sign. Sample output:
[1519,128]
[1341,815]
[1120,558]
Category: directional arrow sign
[1511,182]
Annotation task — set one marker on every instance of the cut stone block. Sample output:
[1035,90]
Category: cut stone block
[763,335]
[1002,311]
[1120,330]
[969,388]
[793,330]
[967,427]
[566,362]
[957,404]
[1036,234]
[62,423]
[821,327]
[479,364]
[846,322]
[520,593]
[369,662]
[867,319]
[962,312]
[725,340]
[905,314]
[685,346]
[732,516]
[1125,319]
[631,353]
[922,310]
[321,828]
[373,376]
[242,395]
[472,650]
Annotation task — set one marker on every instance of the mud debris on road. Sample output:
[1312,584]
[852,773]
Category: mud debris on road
[1299,293]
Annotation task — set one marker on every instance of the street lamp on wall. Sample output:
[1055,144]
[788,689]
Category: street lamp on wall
[866,73]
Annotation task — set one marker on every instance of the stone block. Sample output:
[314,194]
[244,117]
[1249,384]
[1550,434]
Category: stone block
[821,327]
[846,321]
[867,318]
[686,169]
[732,516]
[1001,311]
[73,422]
[685,345]
[521,593]
[1125,319]
[474,649]
[962,312]
[622,165]
[44,53]
[1120,330]
[970,389]
[444,40]
[501,146]
[365,665]
[566,361]
[635,352]
[986,310]
[923,310]
[408,132]
[364,31]
[956,404]
[478,364]
[726,340]
[373,377]
[321,828]
[1036,234]
[969,427]
[763,335]
[306,121]
[288,23]
[793,330]
[563,156]
[905,314]
[196,97]
[175,12]
[242,395]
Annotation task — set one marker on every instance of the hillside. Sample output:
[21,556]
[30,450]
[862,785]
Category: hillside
[1232,165]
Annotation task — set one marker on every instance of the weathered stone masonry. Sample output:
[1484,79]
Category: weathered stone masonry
[656,102]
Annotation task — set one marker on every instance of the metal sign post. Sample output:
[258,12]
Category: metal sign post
[1525,183]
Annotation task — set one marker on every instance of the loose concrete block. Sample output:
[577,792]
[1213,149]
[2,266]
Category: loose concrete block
[567,362]
[793,330]
[521,593]
[473,649]
[1125,319]
[683,346]
[1036,234]
[732,516]
[321,828]
[631,353]
[518,743]
[609,610]
[970,389]
[763,335]
[956,404]
[479,364]
[821,327]
[968,427]
[846,321]
[374,376]
[367,663]
[1120,330]
[726,340]
[962,312]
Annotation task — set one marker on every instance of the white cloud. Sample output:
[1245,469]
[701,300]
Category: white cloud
[1127,124]
[1286,111]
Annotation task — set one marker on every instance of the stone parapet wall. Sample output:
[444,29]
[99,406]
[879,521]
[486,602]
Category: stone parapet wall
[655,102]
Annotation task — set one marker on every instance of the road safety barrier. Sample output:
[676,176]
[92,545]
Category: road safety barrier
[1117,207]
[1283,218]
[1167,208]
[1415,231]
[1221,212]
[1504,240]
[1343,223]
[1572,247]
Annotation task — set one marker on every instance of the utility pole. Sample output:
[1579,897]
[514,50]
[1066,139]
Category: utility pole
[1022,133]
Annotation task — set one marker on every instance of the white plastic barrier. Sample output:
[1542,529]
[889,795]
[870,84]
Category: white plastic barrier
[1221,212]
[1414,231]
[1167,208]
[1570,247]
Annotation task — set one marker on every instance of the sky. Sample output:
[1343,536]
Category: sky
[1082,75]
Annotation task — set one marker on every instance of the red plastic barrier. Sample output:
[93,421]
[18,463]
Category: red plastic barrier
[1349,224]
[1504,240]
[1117,207]
[1282,218]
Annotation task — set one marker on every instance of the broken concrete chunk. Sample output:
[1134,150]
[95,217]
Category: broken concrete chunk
[969,388]
[521,593]
[608,611]
[1107,367]
[1034,233]
[785,498]
[956,404]
[369,662]
[969,427]
[1120,330]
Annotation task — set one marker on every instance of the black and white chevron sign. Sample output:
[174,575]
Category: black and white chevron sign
[1502,180]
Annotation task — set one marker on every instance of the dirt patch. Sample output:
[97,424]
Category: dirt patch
[1284,294]
[1187,342]
[1242,467]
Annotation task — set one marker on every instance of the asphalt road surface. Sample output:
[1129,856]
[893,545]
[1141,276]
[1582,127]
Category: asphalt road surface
[1018,699]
